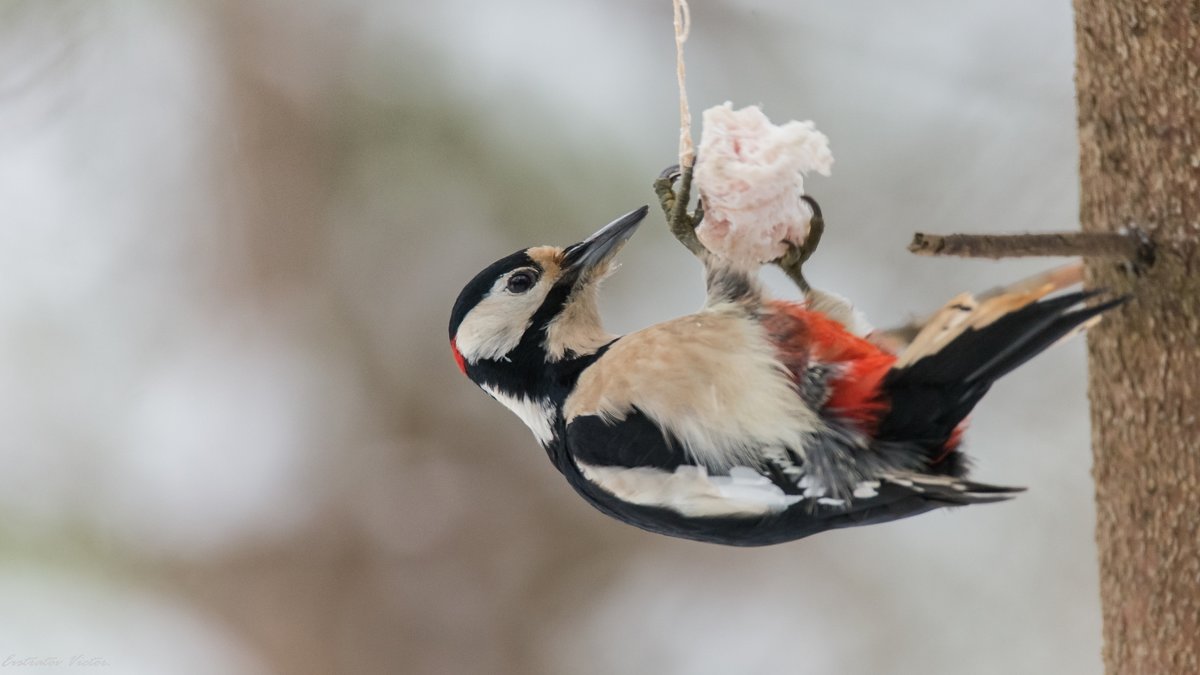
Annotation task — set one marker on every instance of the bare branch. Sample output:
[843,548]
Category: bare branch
[1132,246]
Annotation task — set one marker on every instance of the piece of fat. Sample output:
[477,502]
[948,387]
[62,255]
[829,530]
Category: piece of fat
[750,174]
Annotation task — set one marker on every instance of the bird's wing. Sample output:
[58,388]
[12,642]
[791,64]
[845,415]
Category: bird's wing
[638,462]
[636,472]
[708,380]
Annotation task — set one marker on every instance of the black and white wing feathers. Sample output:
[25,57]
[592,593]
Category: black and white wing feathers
[632,470]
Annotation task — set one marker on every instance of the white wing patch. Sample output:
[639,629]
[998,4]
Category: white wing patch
[867,489]
[537,414]
[690,491]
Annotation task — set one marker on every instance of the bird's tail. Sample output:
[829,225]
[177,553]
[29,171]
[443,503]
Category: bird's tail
[966,347]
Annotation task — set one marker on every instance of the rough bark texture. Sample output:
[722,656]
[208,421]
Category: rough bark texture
[1138,83]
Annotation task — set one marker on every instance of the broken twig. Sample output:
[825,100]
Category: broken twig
[1132,246]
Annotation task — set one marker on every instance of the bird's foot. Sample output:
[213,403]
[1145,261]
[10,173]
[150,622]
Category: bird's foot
[674,205]
[792,261]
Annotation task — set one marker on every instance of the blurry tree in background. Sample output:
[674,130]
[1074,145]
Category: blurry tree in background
[1139,115]
[235,441]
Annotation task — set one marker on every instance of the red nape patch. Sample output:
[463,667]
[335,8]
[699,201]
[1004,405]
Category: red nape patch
[855,392]
[458,357]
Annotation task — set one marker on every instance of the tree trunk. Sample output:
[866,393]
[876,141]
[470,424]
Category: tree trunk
[1138,85]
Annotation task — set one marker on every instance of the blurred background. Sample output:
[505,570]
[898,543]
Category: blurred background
[234,440]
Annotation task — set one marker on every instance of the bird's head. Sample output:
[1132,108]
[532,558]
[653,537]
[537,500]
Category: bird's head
[535,307]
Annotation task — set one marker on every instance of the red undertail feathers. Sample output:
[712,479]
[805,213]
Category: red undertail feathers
[805,338]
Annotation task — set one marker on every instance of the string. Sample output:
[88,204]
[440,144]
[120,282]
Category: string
[683,24]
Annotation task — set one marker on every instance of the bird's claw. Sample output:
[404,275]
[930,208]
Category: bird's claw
[674,205]
[793,261]
[683,225]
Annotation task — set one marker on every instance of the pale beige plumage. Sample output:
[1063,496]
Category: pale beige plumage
[740,397]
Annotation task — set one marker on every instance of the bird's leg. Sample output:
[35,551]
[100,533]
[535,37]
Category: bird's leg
[674,206]
[794,259]
[664,187]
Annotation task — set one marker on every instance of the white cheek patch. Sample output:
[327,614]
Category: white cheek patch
[488,337]
[690,491]
[495,326]
[537,414]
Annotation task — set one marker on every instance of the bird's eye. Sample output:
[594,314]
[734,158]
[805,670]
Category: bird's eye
[521,281]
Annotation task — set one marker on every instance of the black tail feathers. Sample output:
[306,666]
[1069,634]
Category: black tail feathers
[931,396]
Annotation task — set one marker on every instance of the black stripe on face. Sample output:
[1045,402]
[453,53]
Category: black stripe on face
[478,288]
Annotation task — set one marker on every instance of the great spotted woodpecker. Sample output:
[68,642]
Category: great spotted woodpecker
[753,421]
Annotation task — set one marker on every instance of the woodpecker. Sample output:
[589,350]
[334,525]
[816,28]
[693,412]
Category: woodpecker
[753,421]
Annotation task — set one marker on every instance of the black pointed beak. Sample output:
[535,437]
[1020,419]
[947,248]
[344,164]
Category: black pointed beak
[581,258]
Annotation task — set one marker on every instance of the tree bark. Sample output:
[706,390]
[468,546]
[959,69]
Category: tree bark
[1138,87]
